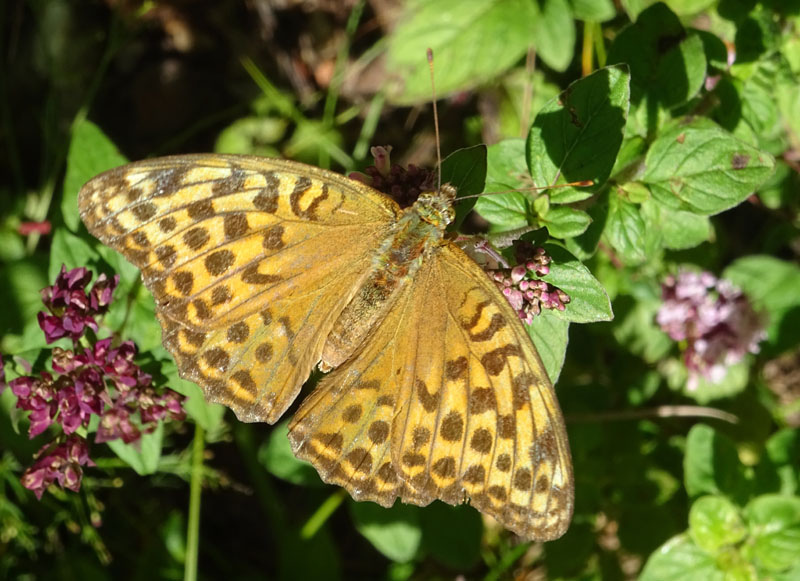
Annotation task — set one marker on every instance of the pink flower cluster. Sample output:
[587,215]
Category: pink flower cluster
[70,308]
[58,463]
[714,318]
[99,380]
[528,296]
[403,184]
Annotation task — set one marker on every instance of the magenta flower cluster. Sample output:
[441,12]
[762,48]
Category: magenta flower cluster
[59,463]
[714,319]
[528,295]
[98,380]
[71,308]
[403,184]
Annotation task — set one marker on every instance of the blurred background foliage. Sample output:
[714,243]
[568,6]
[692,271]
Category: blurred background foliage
[665,488]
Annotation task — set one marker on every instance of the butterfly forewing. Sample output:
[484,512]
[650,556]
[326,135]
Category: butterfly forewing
[249,261]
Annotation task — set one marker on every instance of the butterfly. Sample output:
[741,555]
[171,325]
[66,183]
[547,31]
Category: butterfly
[263,269]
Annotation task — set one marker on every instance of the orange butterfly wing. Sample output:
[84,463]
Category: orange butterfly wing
[249,260]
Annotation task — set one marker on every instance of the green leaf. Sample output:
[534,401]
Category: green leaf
[589,302]
[715,50]
[565,222]
[680,558]
[276,456]
[90,153]
[635,325]
[504,212]
[541,206]
[697,166]
[505,170]
[792,574]
[735,380]
[635,192]
[206,415]
[585,245]
[577,136]
[463,35]
[690,7]
[771,284]
[775,525]
[69,250]
[674,229]
[20,283]
[625,230]
[594,10]
[553,32]
[142,455]
[129,275]
[133,312]
[714,522]
[711,464]
[12,245]
[757,33]
[465,169]
[667,66]
[783,449]
[550,336]
[252,136]
[687,61]
[395,532]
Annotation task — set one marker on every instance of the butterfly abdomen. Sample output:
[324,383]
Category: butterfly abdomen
[393,266]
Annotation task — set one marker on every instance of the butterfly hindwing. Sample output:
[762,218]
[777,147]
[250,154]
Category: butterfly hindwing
[447,400]
[344,426]
[479,392]
[249,260]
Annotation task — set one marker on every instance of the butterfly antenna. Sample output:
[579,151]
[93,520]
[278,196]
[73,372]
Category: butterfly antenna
[435,122]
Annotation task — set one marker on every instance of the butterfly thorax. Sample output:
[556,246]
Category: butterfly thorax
[418,231]
[437,207]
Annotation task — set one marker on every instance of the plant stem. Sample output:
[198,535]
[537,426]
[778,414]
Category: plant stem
[325,510]
[664,411]
[195,487]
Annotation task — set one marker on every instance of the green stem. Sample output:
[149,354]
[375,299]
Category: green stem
[599,46]
[195,488]
[341,61]
[322,514]
[369,126]
[586,49]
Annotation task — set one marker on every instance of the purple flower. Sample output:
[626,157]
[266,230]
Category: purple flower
[527,295]
[404,184]
[715,320]
[154,407]
[102,292]
[36,395]
[61,463]
[81,391]
[99,380]
[71,310]
[116,423]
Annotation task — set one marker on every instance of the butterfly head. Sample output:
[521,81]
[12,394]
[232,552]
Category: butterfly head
[437,207]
